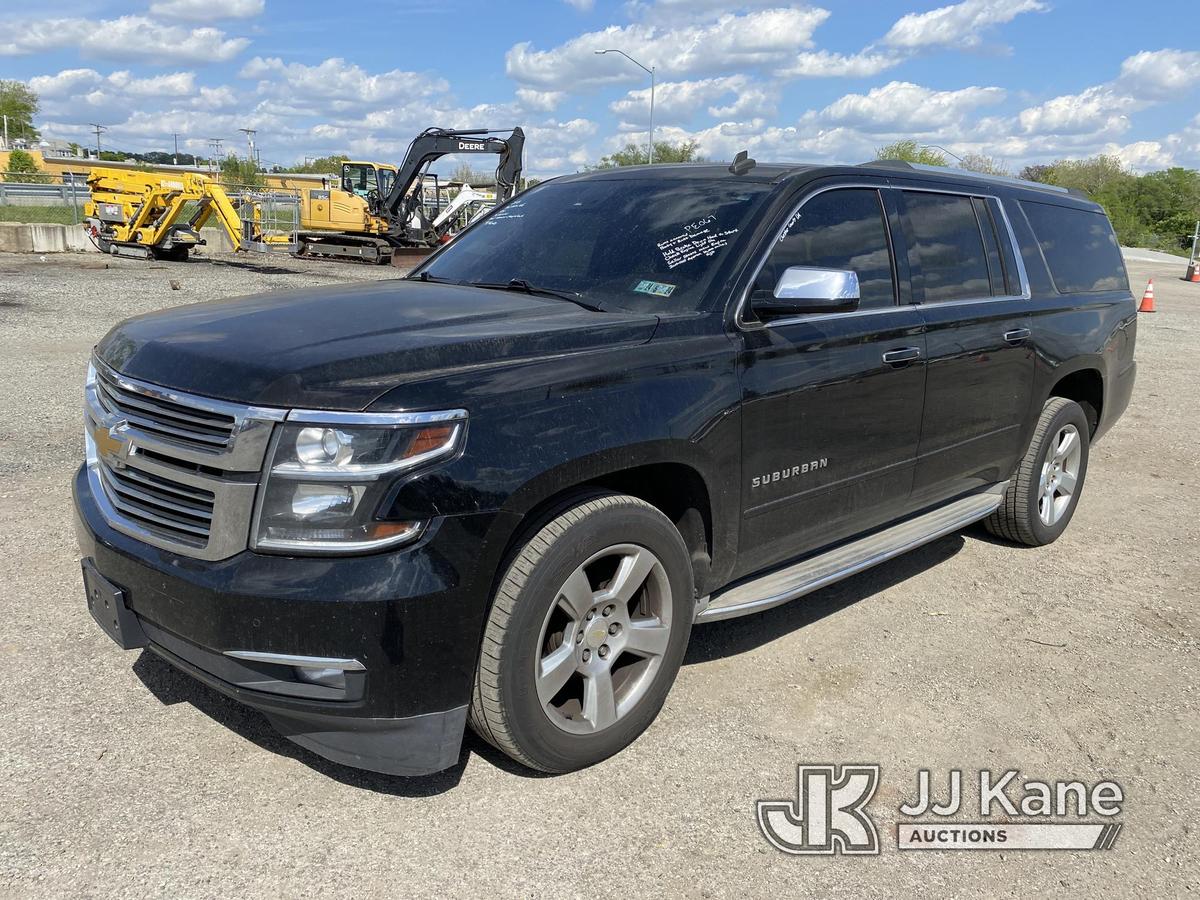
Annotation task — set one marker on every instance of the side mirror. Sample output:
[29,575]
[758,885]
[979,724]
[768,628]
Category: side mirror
[802,289]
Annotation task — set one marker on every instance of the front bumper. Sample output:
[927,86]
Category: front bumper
[412,617]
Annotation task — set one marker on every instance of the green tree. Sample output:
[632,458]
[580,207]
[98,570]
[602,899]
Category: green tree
[911,151]
[986,165]
[1158,209]
[473,177]
[322,165]
[22,167]
[238,172]
[20,104]
[664,152]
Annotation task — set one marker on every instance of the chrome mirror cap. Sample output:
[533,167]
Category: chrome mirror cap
[806,283]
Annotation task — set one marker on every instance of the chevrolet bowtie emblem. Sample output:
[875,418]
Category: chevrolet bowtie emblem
[111,444]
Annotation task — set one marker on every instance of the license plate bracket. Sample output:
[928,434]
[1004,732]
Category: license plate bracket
[106,603]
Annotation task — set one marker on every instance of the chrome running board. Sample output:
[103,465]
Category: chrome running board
[816,572]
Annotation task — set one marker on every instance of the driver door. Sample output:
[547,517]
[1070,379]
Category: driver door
[832,402]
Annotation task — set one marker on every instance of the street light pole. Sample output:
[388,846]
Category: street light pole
[650,72]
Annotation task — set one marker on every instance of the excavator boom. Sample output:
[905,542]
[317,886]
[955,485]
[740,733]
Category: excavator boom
[403,208]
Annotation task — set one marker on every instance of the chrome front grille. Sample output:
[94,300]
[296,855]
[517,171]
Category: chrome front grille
[189,425]
[174,470]
[178,511]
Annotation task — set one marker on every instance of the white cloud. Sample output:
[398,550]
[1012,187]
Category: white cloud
[540,101]
[1141,156]
[176,84]
[1160,74]
[128,39]
[340,84]
[824,64]
[581,5]
[956,26]
[1093,110]
[215,98]
[902,105]
[763,38]
[677,102]
[207,10]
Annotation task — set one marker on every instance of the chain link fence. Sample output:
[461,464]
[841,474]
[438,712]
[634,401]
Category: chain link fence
[41,197]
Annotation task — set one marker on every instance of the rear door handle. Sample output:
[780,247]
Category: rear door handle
[902,356]
[1017,335]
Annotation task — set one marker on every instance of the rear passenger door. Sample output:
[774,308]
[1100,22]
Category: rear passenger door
[974,302]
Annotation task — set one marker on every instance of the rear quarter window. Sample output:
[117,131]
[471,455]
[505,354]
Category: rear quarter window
[1079,247]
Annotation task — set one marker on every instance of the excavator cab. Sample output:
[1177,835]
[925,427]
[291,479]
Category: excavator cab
[367,179]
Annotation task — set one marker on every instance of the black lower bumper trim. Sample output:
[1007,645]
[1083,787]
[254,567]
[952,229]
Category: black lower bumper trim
[417,745]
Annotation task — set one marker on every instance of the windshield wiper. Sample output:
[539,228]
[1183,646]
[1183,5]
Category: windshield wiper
[425,276]
[520,284]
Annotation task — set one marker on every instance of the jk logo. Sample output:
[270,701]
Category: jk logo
[828,815]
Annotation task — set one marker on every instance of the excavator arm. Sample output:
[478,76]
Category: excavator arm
[404,203]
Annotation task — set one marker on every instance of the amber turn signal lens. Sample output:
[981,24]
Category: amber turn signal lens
[430,438]
[379,531]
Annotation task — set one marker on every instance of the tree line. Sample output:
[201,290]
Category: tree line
[1155,209]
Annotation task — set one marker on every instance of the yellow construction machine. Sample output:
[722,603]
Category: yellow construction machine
[376,208]
[152,215]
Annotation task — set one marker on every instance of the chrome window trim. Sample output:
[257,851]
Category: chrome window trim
[742,324]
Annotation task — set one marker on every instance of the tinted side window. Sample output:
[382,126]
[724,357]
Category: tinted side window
[842,229]
[946,244]
[1012,275]
[1080,248]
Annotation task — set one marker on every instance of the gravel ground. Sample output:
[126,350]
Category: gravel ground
[122,778]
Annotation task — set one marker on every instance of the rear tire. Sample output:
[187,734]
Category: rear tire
[586,634]
[1044,491]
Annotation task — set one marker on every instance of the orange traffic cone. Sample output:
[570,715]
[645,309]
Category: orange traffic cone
[1193,273]
[1148,298]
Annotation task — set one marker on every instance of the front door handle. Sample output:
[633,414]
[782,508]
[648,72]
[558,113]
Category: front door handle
[902,357]
[1017,335]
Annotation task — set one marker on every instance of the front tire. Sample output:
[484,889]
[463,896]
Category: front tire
[586,634]
[1043,493]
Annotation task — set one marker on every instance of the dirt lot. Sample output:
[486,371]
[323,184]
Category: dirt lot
[121,777]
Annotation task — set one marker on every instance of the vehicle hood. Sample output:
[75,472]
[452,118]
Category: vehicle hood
[342,347]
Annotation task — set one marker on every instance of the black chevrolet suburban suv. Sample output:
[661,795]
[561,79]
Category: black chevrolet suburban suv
[501,490]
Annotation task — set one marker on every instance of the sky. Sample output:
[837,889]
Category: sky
[1023,81]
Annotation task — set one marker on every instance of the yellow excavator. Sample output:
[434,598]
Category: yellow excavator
[149,215]
[376,208]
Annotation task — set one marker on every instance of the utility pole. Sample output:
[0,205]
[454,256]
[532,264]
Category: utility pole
[214,147]
[650,72]
[175,159]
[249,133]
[99,130]
[6,132]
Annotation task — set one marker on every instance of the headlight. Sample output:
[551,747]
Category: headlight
[329,474]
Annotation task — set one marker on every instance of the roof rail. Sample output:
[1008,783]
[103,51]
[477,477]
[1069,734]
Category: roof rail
[966,173]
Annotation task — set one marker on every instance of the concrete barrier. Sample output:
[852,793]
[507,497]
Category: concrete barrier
[38,237]
[19,237]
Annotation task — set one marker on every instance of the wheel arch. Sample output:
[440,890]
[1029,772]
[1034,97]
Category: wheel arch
[670,475]
[1084,385]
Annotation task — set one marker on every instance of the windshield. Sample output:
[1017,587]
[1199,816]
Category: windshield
[358,179]
[640,244]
